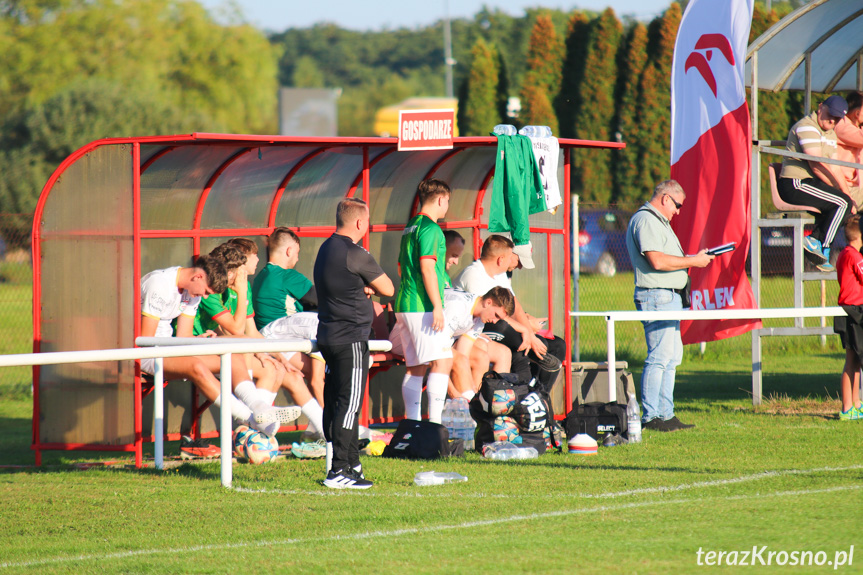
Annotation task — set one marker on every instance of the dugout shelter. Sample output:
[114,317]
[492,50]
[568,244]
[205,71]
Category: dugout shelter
[119,208]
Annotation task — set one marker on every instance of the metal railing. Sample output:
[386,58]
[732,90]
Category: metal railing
[160,348]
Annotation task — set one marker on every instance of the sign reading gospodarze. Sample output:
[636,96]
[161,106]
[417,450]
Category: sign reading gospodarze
[426,129]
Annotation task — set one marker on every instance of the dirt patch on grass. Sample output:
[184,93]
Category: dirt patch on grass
[782,404]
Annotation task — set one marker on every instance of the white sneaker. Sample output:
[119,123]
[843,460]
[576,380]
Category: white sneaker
[272,419]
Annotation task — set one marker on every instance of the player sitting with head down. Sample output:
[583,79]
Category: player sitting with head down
[465,315]
[175,293]
[231,314]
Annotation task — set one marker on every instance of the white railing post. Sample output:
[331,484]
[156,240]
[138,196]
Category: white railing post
[159,414]
[612,361]
[225,420]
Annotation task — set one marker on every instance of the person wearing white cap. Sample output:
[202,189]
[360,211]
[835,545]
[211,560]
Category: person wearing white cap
[817,184]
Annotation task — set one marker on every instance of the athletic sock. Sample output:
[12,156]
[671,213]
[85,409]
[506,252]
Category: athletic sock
[468,395]
[436,390]
[239,410]
[315,414]
[268,397]
[248,394]
[412,394]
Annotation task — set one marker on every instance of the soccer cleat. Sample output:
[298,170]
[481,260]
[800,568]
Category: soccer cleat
[314,450]
[268,422]
[197,449]
[675,424]
[825,266]
[547,362]
[346,479]
[814,247]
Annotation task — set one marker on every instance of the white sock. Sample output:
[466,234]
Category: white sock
[239,410]
[315,414]
[412,394]
[468,395]
[268,397]
[436,388]
[248,394]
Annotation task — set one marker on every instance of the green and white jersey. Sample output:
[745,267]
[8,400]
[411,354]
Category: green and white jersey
[218,304]
[421,239]
[277,293]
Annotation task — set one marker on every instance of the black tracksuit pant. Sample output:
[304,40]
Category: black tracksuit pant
[344,389]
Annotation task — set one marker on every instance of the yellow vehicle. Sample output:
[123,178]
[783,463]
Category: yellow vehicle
[387,118]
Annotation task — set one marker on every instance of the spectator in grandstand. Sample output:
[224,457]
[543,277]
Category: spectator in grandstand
[419,303]
[849,133]
[175,293]
[660,277]
[849,271]
[232,314]
[346,276]
[814,183]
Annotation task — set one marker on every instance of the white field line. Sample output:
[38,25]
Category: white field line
[412,530]
[610,495]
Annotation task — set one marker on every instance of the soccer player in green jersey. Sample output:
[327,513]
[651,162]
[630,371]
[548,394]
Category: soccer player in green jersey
[419,303]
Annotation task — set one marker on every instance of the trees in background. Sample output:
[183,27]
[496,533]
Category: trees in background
[541,82]
[480,109]
[74,71]
[595,115]
[77,70]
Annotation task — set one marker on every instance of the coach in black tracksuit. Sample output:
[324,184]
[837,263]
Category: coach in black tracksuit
[346,276]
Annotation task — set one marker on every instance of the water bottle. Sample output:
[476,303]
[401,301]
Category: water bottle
[505,450]
[447,417]
[505,130]
[535,131]
[424,478]
[633,420]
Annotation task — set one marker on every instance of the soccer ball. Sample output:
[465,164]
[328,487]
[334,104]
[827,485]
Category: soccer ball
[260,448]
[531,413]
[505,429]
[502,401]
[241,434]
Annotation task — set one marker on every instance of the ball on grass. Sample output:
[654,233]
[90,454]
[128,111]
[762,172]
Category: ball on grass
[260,448]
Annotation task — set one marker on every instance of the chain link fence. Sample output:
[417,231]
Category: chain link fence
[16,297]
[605,282]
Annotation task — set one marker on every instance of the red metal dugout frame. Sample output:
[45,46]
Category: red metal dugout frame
[313,149]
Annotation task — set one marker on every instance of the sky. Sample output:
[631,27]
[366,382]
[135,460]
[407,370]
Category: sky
[278,15]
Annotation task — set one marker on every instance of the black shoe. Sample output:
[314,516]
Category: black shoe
[611,440]
[346,479]
[675,424]
[548,362]
[656,424]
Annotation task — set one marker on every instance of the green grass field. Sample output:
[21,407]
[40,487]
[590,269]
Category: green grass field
[785,477]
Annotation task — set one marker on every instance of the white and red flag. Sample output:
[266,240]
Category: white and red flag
[710,157]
